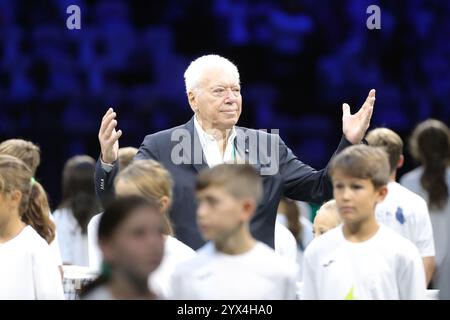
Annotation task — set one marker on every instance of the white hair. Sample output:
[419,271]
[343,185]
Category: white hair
[194,73]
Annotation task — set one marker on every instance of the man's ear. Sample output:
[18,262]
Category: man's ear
[400,162]
[382,193]
[192,98]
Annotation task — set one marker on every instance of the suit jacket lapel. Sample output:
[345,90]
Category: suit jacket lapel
[246,152]
[197,158]
[242,144]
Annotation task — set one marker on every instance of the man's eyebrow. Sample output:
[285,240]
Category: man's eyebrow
[224,85]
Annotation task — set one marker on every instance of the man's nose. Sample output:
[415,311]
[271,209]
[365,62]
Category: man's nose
[230,96]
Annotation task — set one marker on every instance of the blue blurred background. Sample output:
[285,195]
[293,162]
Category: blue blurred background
[299,61]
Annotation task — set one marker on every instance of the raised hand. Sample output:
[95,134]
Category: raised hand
[109,137]
[354,126]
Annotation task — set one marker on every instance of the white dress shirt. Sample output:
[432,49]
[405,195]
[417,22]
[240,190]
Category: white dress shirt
[211,149]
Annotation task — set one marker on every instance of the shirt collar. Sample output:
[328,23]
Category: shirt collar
[206,137]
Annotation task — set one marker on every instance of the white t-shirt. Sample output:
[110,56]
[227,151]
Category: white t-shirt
[72,242]
[258,274]
[102,292]
[387,267]
[95,255]
[28,270]
[407,214]
[287,249]
[307,233]
[285,244]
[175,253]
[440,219]
[54,245]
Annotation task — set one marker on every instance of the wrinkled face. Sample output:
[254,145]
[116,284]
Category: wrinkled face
[219,214]
[217,102]
[325,220]
[136,247]
[355,198]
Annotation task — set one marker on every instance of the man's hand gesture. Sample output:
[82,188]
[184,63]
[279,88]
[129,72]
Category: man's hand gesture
[109,137]
[354,126]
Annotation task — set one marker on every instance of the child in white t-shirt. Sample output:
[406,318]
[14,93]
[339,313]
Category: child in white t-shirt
[327,218]
[232,265]
[131,239]
[361,259]
[430,146]
[43,222]
[402,210]
[28,268]
[285,243]
[151,180]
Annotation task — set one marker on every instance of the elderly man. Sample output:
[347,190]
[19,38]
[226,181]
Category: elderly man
[211,137]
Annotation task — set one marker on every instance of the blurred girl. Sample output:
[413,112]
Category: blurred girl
[79,203]
[130,234]
[28,270]
[430,145]
[40,218]
[151,180]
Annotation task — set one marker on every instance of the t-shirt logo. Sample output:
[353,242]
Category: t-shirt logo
[399,215]
[328,263]
[350,295]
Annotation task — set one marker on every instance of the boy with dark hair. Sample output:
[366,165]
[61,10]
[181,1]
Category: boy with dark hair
[361,259]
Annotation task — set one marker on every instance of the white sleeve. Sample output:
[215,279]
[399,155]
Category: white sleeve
[424,231]
[54,245]
[175,291]
[411,276]
[291,288]
[95,254]
[64,239]
[47,279]
[285,243]
[309,291]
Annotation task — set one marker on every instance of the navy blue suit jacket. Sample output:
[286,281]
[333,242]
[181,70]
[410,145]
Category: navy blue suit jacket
[294,179]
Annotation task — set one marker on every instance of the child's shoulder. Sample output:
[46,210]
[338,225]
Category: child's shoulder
[31,240]
[199,259]
[405,195]
[397,244]
[327,241]
[273,261]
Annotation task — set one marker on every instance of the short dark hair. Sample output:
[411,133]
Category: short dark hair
[389,141]
[240,180]
[118,210]
[363,162]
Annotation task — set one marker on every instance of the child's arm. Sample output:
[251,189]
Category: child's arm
[47,279]
[309,291]
[411,276]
